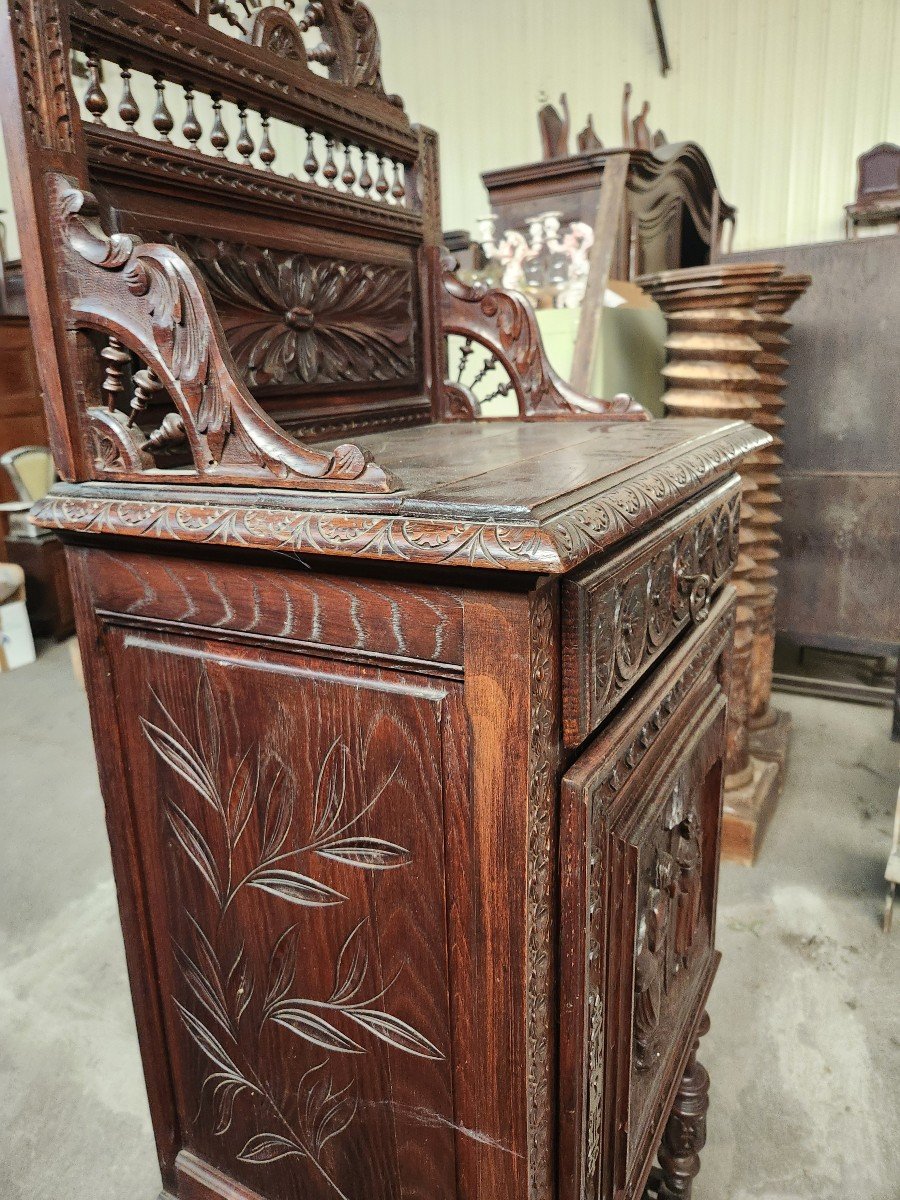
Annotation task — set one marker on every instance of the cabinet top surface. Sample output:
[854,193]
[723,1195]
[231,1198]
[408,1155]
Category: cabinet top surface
[509,495]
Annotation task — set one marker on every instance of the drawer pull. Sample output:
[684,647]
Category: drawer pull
[699,589]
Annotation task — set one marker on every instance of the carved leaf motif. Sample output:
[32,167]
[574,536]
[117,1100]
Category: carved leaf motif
[369,852]
[299,1019]
[267,1148]
[194,846]
[395,1032]
[297,888]
[183,759]
[208,1043]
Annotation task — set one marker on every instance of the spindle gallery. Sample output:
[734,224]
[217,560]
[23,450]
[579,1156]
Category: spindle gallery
[410,724]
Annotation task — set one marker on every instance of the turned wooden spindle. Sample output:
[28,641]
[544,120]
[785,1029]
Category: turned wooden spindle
[365,178]
[267,154]
[218,135]
[128,107]
[713,351]
[348,175]
[381,184]
[398,191]
[329,170]
[95,100]
[244,144]
[163,121]
[115,358]
[769,727]
[191,129]
[310,163]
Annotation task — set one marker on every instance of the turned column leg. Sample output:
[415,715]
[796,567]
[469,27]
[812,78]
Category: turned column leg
[685,1133]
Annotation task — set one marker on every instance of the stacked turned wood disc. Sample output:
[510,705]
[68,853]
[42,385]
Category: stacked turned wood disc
[769,727]
[713,351]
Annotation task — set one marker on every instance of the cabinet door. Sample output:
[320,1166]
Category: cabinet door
[290,827]
[641,812]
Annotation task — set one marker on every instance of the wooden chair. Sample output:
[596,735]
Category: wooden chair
[410,725]
[877,189]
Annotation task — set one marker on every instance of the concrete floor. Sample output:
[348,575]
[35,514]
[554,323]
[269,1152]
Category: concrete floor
[805,1047]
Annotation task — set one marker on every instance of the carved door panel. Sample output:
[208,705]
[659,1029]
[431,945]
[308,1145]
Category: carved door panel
[290,823]
[641,812]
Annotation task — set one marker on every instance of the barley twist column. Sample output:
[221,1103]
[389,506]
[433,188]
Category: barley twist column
[711,372]
[769,728]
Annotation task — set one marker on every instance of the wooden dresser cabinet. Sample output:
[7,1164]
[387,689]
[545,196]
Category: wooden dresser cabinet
[411,745]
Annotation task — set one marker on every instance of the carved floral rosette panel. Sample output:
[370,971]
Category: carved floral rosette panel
[307,992]
[304,322]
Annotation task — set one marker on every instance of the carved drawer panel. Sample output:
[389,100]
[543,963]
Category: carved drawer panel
[641,812]
[619,617]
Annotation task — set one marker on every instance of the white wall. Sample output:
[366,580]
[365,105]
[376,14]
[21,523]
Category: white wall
[782,94]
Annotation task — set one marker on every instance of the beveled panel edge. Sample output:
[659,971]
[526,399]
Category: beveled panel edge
[553,546]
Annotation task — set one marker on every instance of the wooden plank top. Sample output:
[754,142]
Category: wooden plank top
[508,495]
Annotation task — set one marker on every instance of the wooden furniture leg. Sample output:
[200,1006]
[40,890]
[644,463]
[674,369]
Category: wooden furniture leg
[685,1133]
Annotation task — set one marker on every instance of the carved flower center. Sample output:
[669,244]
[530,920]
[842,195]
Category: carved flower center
[299,318]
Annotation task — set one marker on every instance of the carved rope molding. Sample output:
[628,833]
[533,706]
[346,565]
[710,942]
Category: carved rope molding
[152,299]
[552,547]
[294,318]
[505,324]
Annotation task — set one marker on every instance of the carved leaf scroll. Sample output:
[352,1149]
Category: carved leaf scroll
[151,298]
[505,324]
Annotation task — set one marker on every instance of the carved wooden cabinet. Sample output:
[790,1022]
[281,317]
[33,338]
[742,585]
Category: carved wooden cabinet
[411,746]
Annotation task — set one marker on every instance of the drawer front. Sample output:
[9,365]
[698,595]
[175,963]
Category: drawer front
[619,617]
[640,823]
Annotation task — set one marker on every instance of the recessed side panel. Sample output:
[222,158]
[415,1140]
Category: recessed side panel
[290,818]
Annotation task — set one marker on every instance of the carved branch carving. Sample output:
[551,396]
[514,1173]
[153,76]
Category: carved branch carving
[505,323]
[152,299]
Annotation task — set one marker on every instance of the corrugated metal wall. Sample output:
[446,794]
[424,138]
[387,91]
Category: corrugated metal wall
[781,94]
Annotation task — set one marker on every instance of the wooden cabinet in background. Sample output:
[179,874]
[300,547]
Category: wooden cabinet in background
[22,420]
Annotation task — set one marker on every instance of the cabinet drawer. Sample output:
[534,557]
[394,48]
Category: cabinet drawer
[620,616]
[640,823]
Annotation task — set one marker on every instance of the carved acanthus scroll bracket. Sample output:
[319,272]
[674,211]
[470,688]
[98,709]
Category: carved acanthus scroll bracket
[505,324]
[151,299]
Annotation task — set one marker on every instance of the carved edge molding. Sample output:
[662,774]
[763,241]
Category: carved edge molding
[551,547]
[153,300]
[505,324]
[542,787]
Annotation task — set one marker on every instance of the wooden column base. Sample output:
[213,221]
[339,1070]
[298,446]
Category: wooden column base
[770,741]
[747,812]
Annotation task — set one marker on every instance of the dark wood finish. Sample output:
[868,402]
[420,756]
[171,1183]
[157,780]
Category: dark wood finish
[664,223]
[326,680]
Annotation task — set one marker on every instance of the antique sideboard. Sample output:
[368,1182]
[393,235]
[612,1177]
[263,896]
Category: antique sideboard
[410,724]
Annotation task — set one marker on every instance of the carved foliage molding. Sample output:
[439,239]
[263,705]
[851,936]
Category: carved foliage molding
[542,785]
[297,319]
[43,74]
[150,298]
[505,324]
